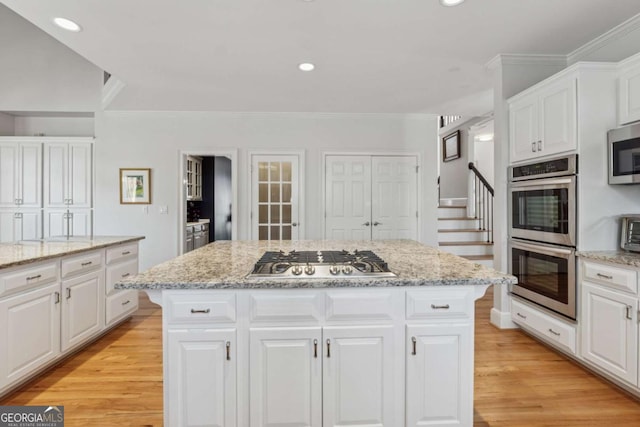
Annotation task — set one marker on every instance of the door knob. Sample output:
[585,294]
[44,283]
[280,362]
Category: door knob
[294,224]
[366,224]
[377,223]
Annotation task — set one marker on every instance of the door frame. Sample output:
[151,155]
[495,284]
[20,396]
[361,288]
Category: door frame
[182,194]
[302,219]
[323,179]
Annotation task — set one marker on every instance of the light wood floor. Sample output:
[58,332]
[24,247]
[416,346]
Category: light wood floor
[117,381]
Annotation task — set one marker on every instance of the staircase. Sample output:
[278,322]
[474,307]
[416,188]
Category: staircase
[462,235]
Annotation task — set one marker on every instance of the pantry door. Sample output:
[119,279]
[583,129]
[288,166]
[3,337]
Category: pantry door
[348,197]
[275,197]
[371,197]
[394,197]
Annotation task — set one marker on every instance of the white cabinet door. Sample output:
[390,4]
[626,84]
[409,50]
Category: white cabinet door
[75,222]
[82,308]
[348,198]
[629,95]
[30,332]
[558,119]
[20,225]
[394,198]
[439,371]
[358,374]
[21,175]
[201,378]
[68,175]
[285,387]
[523,128]
[610,331]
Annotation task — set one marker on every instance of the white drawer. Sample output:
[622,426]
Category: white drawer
[274,306]
[118,253]
[440,303]
[118,272]
[81,263]
[21,278]
[360,305]
[556,332]
[120,305]
[613,277]
[197,307]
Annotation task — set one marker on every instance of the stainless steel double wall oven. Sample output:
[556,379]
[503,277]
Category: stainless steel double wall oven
[542,232]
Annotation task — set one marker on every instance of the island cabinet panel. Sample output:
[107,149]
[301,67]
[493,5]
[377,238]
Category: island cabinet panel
[285,307]
[203,306]
[610,331]
[30,332]
[349,306]
[358,369]
[439,375]
[201,378]
[285,377]
[82,308]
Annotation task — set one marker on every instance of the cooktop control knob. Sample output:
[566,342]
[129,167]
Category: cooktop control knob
[347,269]
[334,269]
[297,270]
[309,269]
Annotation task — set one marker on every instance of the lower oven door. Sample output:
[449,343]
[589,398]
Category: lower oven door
[546,275]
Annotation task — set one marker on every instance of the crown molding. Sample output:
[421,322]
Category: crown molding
[526,59]
[603,40]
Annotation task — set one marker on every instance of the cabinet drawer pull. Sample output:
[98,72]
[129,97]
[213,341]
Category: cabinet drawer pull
[554,332]
[37,276]
[539,145]
[440,307]
[125,275]
[413,343]
[228,350]
[126,252]
[126,302]
[315,349]
[328,348]
[68,293]
[604,276]
[629,312]
[57,300]
[193,310]
[522,316]
[84,264]
[533,147]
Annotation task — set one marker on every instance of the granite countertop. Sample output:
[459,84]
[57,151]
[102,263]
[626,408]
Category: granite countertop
[631,259]
[28,251]
[201,221]
[225,265]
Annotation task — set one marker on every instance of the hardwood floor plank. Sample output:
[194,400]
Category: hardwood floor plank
[117,381]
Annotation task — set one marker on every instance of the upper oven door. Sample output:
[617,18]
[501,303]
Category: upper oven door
[544,210]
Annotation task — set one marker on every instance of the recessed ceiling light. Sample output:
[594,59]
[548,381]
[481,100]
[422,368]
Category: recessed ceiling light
[450,2]
[67,24]
[306,66]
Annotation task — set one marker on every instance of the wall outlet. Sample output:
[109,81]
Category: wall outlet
[164,209]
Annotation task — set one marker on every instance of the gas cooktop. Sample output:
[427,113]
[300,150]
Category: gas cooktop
[320,264]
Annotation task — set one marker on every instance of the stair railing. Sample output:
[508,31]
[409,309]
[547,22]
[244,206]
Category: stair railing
[483,199]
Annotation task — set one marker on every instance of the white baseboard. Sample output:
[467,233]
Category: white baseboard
[502,319]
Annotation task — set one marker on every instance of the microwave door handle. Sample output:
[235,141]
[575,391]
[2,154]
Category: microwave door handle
[543,249]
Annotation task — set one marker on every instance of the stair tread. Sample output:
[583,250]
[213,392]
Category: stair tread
[457,218]
[461,230]
[465,243]
[477,257]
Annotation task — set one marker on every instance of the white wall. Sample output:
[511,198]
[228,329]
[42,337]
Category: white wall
[154,139]
[7,125]
[38,73]
[54,126]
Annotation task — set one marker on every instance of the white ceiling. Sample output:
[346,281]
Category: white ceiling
[371,56]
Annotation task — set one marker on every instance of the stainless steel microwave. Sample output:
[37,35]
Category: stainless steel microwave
[624,155]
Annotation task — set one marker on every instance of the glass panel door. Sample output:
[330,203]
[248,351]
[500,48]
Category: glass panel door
[275,197]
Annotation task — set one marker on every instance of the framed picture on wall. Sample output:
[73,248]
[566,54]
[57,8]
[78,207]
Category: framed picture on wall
[451,146]
[135,186]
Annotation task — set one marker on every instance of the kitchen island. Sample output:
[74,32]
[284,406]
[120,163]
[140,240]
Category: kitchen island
[307,351]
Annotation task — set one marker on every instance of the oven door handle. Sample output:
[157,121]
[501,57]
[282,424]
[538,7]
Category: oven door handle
[542,249]
[543,182]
